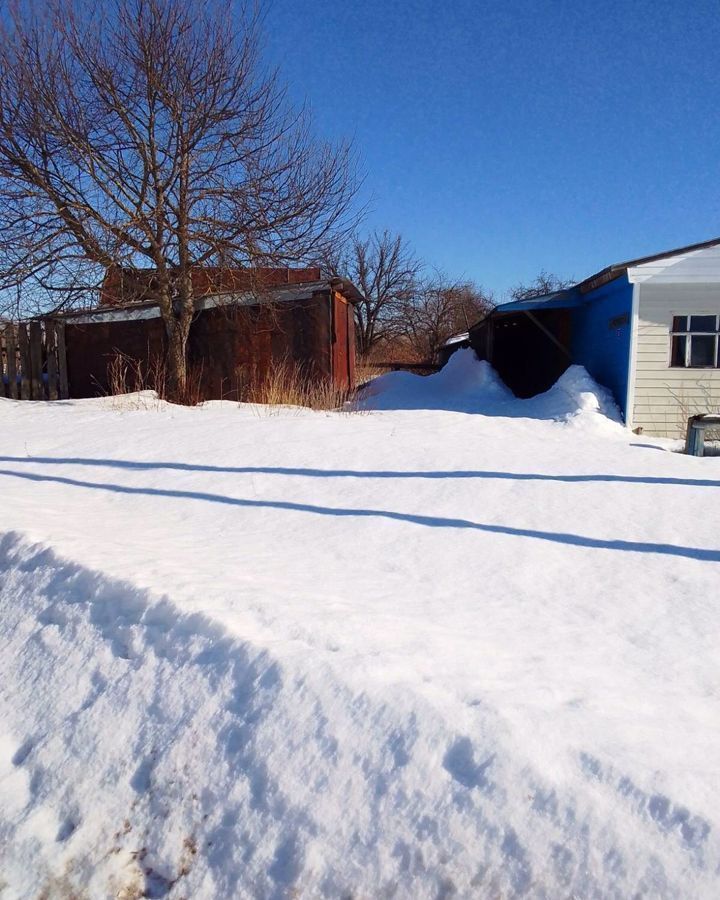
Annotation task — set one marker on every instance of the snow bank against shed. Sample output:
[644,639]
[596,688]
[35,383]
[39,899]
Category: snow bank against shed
[467,384]
[574,394]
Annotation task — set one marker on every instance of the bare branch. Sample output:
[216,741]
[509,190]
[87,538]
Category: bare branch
[147,133]
[387,273]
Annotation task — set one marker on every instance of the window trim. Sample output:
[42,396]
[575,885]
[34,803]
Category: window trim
[688,334]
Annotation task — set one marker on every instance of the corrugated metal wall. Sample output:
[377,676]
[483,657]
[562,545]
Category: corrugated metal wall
[230,348]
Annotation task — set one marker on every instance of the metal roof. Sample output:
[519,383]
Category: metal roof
[575,296]
[555,300]
[283,293]
[617,269]
[456,339]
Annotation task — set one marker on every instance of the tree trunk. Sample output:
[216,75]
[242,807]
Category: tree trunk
[176,300]
[177,360]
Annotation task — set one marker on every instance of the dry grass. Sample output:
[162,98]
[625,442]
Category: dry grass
[396,349]
[287,384]
[293,385]
[131,376]
[365,371]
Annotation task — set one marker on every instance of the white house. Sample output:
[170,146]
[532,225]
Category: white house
[648,329]
[674,363]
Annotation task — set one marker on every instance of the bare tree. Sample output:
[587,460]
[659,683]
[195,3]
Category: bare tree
[440,310]
[146,134]
[386,272]
[544,283]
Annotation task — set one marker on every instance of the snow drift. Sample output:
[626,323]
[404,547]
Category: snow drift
[178,761]
[466,384]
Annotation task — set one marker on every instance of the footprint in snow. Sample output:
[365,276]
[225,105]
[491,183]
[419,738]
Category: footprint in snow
[23,751]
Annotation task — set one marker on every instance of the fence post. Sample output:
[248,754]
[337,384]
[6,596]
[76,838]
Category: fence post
[24,348]
[11,351]
[52,367]
[62,360]
[2,368]
[37,389]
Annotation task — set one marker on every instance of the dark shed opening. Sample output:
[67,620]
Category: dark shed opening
[528,351]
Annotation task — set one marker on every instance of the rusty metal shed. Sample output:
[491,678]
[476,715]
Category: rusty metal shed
[236,338]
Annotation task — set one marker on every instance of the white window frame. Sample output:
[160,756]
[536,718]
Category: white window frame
[688,335]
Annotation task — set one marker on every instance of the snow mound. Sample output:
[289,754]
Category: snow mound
[177,760]
[574,396]
[464,384]
[586,394]
[467,384]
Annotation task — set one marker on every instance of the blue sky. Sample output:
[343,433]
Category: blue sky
[502,138]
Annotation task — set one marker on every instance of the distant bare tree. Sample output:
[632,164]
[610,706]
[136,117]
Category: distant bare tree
[147,134]
[544,283]
[440,310]
[386,272]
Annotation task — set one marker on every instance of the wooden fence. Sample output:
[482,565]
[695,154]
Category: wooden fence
[33,361]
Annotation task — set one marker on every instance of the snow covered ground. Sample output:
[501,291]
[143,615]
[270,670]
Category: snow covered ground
[457,645]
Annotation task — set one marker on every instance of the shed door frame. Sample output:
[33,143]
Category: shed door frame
[341,356]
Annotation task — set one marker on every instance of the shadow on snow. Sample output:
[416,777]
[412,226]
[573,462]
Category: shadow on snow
[576,540]
[357,473]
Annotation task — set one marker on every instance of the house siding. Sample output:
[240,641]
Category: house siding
[665,397]
[601,330]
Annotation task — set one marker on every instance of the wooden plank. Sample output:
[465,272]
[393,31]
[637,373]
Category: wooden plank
[24,348]
[11,349]
[52,366]
[62,361]
[3,390]
[36,385]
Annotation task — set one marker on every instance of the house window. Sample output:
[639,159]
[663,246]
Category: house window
[694,342]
